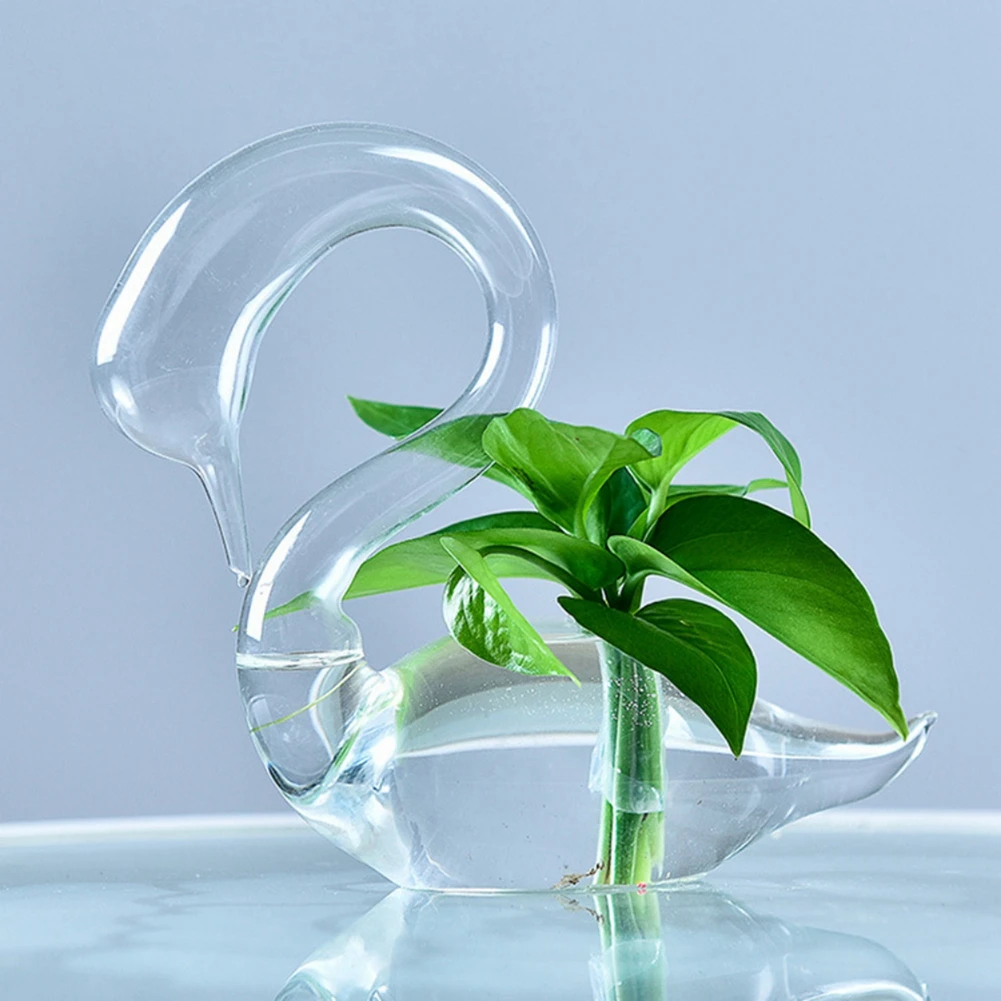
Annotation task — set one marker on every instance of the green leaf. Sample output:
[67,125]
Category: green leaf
[419,562]
[482,618]
[457,441]
[642,560]
[517,543]
[301,601]
[622,503]
[778,574]
[561,467]
[684,434]
[696,647]
[393,419]
[679,491]
[624,452]
[784,452]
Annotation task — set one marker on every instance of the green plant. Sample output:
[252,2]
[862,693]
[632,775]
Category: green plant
[608,514]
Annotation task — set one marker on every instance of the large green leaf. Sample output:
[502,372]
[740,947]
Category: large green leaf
[457,441]
[421,561]
[517,543]
[696,647]
[684,434]
[482,618]
[561,467]
[778,574]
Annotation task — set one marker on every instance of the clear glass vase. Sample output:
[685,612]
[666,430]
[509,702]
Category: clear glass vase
[444,771]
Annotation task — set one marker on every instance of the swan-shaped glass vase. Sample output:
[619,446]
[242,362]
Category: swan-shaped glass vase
[441,772]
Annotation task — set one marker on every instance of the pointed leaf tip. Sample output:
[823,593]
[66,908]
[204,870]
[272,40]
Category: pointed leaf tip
[696,647]
[776,572]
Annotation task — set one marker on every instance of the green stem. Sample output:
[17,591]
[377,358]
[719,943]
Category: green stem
[567,579]
[605,835]
[631,839]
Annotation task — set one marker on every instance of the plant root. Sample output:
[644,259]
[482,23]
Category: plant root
[573,878]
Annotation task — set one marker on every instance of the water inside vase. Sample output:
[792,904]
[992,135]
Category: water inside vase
[445,772]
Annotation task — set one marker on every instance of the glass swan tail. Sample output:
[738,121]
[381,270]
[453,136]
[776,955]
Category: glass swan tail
[443,772]
[854,765]
[179,336]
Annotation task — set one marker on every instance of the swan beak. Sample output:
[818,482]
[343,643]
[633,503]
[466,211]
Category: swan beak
[223,483]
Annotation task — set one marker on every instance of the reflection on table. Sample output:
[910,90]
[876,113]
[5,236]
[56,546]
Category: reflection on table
[692,943]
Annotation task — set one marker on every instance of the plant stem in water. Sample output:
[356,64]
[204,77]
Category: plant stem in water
[631,840]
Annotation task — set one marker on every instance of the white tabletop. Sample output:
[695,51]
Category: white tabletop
[851,904]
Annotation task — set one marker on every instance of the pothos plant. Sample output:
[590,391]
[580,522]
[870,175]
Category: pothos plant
[608,515]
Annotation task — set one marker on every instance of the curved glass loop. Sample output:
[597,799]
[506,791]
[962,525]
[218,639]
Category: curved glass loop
[178,339]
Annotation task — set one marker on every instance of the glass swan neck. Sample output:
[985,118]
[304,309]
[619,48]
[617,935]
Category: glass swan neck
[178,338]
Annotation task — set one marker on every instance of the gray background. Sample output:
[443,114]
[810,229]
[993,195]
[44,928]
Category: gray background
[789,207]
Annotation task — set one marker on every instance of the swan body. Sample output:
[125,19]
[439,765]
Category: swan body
[446,772]
[442,771]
